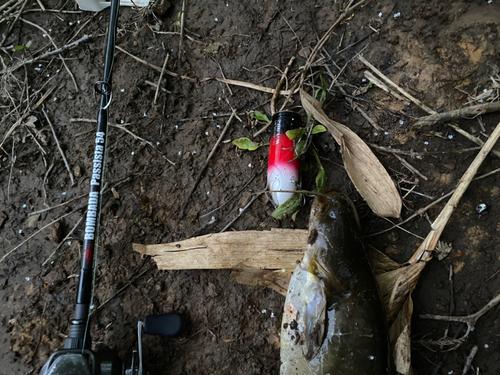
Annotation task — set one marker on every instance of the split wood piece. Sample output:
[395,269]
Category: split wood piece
[276,249]
[468,112]
[430,242]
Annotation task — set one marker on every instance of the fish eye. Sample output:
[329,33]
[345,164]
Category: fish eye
[333,214]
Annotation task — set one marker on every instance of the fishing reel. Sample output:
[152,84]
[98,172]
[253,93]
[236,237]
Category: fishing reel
[87,362]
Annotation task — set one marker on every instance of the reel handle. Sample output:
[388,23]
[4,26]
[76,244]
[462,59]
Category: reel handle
[169,324]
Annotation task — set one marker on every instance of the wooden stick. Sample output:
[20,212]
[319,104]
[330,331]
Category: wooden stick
[276,249]
[2,7]
[467,112]
[438,225]
[253,86]
[409,166]
[181,39]
[200,174]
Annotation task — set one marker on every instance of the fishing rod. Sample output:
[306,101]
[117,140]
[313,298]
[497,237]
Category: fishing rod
[77,356]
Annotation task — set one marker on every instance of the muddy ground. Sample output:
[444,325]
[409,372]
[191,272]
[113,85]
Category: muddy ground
[444,53]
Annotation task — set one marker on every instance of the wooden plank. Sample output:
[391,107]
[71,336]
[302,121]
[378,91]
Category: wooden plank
[276,249]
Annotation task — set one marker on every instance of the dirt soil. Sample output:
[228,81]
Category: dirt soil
[444,53]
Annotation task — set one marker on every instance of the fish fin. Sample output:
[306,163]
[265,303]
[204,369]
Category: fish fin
[314,317]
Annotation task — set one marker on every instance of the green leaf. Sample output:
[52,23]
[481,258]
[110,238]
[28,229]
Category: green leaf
[247,144]
[321,179]
[319,129]
[324,86]
[28,45]
[294,216]
[295,134]
[299,147]
[288,208]
[19,47]
[261,116]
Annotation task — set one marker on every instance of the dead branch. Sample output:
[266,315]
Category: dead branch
[467,112]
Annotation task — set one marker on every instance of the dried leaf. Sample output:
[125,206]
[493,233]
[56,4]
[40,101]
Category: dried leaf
[366,172]
[399,336]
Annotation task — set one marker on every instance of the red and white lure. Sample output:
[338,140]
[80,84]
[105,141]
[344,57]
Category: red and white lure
[282,172]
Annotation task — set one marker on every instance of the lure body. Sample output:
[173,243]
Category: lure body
[333,321]
[282,172]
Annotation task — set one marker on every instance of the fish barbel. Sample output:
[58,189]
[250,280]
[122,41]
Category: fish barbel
[333,321]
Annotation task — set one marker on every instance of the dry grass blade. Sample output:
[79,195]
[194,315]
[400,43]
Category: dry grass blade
[366,172]
[399,336]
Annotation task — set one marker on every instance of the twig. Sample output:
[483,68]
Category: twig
[64,240]
[38,231]
[55,46]
[159,80]
[181,38]
[123,288]
[143,140]
[41,5]
[12,161]
[438,225]
[240,213]
[396,87]
[83,39]
[471,138]
[325,37]
[223,76]
[45,181]
[470,358]
[255,87]
[154,85]
[7,33]
[60,149]
[470,320]
[200,174]
[278,86]
[369,76]
[157,68]
[2,7]
[415,154]
[409,166]
[467,112]
[424,209]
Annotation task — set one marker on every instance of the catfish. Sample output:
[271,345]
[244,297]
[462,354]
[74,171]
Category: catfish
[333,320]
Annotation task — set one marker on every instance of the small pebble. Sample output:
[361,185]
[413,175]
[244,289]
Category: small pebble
[69,243]
[122,90]
[450,136]
[193,153]
[401,122]
[375,134]
[490,1]
[272,315]
[177,126]
[132,153]
[386,133]
[63,193]
[78,21]
[249,165]
[208,193]
[264,311]
[24,206]
[486,346]
[55,99]
[485,90]
[283,270]
[48,75]
[92,307]
[215,114]
[426,143]
[145,115]
[37,69]
[179,153]
[50,30]
[227,5]
[241,210]
[40,65]
[57,71]
[27,278]
[70,97]
[380,14]
[20,231]
[218,126]
[44,35]
[371,358]
[216,19]
[363,80]
[450,372]
[398,14]
[70,23]
[481,208]
[122,122]
[157,143]
[480,100]
[206,133]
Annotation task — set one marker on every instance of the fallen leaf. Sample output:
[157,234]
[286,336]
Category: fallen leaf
[32,220]
[366,172]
